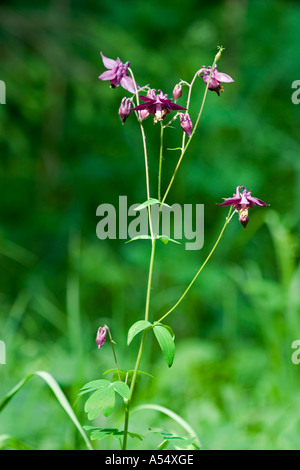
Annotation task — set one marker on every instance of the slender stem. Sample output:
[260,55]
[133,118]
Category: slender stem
[199,270]
[150,279]
[147,306]
[154,239]
[126,419]
[160,160]
[132,385]
[188,105]
[145,152]
[114,352]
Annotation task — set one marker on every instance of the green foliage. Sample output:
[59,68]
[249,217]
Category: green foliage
[166,342]
[103,396]
[102,433]
[136,328]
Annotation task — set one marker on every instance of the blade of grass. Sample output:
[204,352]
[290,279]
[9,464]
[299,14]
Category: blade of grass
[60,396]
[171,415]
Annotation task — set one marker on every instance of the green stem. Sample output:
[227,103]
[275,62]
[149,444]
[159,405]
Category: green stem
[114,352]
[124,445]
[154,238]
[145,151]
[198,272]
[160,160]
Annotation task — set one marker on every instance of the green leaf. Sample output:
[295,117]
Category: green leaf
[168,328]
[150,202]
[147,203]
[122,389]
[137,328]
[103,400]
[126,376]
[93,385]
[166,239]
[166,343]
[101,433]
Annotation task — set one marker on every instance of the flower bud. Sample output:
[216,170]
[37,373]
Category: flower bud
[125,109]
[177,92]
[186,123]
[101,336]
[219,53]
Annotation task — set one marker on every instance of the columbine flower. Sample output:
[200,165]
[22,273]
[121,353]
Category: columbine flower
[242,202]
[101,336]
[216,78]
[186,123]
[117,74]
[125,109]
[157,104]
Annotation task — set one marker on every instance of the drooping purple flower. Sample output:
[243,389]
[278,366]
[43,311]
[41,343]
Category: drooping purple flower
[125,109]
[157,104]
[242,202]
[216,78]
[117,74]
[186,123]
[101,336]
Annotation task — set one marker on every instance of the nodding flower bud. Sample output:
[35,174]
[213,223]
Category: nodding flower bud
[125,109]
[177,92]
[186,123]
[101,336]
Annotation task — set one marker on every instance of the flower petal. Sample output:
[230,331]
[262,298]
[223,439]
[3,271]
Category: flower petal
[256,201]
[175,106]
[222,77]
[231,201]
[127,83]
[108,75]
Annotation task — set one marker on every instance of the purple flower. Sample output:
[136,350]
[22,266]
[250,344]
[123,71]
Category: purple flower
[101,336]
[186,123]
[157,104]
[117,74]
[216,78]
[125,109]
[242,202]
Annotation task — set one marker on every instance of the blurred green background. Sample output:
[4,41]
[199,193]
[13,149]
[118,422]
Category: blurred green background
[64,151]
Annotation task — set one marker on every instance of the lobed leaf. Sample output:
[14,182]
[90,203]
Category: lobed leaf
[122,389]
[103,400]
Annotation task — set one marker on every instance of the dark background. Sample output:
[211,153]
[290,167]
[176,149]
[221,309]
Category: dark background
[64,151]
